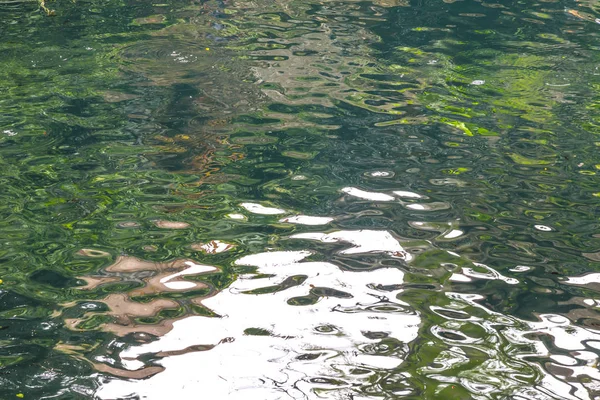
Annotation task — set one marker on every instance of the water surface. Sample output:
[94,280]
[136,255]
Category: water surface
[299,200]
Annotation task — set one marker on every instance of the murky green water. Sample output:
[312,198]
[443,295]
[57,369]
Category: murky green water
[300,200]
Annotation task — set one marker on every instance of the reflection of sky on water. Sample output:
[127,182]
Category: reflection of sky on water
[298,327]
[273,345]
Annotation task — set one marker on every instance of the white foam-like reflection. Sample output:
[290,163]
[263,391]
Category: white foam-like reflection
[380,174]
[307,220]
[584,279]
[378,196]
[419,207]
[213,247]
[363,241]
[408,195]
[488,273]
[306,351]
[256,208]
[564,360]
[454,233]
[433,206]
[456,277]
[448,230]
[481,271]
[194,269]
[362,194]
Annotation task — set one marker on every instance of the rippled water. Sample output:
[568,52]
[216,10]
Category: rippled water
[300,200]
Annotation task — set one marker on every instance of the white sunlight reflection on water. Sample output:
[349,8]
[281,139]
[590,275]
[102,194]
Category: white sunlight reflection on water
[307,351]
[300,329]
[321,336]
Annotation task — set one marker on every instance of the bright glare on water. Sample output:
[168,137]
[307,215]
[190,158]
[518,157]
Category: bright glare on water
[265,200]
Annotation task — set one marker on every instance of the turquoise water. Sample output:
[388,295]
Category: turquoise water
[299,200]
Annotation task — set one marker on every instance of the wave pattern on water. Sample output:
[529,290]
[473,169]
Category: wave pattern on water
[319,199]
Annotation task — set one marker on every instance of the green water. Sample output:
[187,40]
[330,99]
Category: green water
[448,148]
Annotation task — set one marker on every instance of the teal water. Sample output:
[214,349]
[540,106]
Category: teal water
[381,199]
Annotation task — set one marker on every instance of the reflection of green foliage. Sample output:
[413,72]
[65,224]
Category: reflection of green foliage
[519,159]
[111,128]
